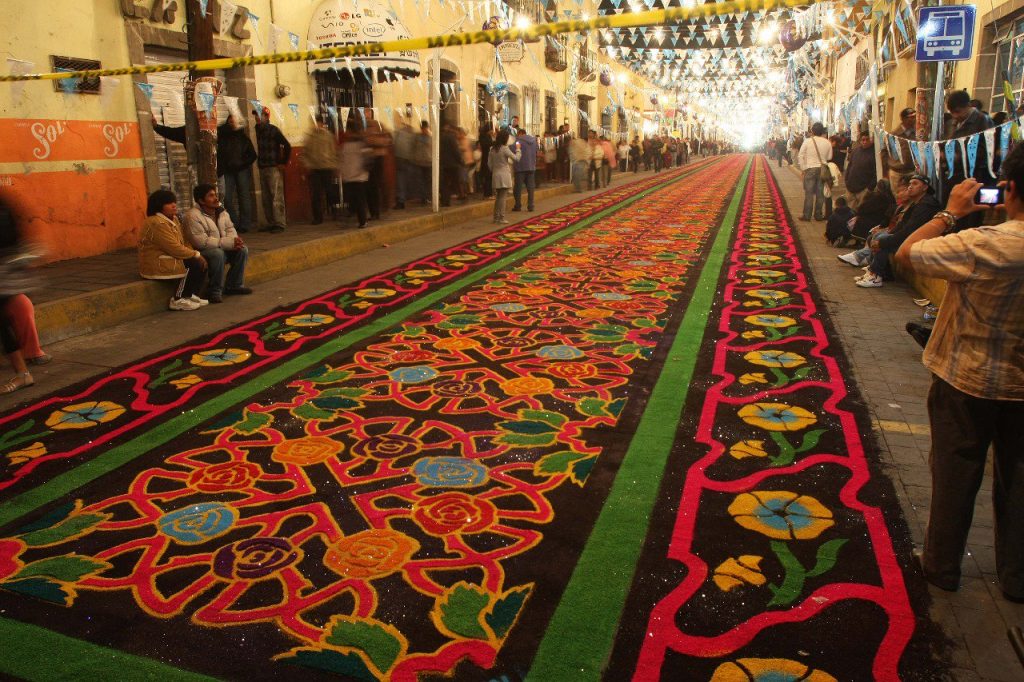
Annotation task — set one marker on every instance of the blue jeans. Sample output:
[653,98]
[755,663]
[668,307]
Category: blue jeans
[238,198]
[814,195]
[526,179]
[217,258]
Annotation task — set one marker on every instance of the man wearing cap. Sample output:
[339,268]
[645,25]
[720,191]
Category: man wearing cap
[272,150]
[976,401]
[969,121]
[906,130]
[920,208]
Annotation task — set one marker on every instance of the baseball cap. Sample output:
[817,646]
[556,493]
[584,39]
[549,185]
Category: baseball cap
[909,111]
[923,178]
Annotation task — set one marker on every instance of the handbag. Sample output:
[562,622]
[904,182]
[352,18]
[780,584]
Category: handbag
[824,173]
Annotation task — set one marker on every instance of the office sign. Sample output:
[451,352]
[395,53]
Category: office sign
[945,34]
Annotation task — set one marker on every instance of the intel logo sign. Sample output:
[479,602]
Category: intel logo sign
[374,30]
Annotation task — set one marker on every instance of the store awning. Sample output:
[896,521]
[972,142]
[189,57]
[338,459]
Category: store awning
[336,23]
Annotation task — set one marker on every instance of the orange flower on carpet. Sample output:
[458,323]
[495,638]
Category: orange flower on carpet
[739,571]
[768,670]
[454,513]
[224,477]
[370,554]
[781,514]
[529,385]
[306,451]
[456,343]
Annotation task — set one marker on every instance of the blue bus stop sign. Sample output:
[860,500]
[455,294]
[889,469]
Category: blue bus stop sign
[945,34]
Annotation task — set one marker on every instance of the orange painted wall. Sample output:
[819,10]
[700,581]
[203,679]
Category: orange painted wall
[78,184]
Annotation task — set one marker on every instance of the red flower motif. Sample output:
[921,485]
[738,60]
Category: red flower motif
[9,562]
[572,370]
[454,512]
[227,476]
[411,356]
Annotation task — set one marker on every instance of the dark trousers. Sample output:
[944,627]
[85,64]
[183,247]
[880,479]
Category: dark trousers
[375,187]
[192,282]
[449,184]
[320,180]
[355,197]
[963,428]
[7,337]
[594,180]
[523,179]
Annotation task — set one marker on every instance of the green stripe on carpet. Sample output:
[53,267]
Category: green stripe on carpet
[35,653]
[109,461]
[589,611]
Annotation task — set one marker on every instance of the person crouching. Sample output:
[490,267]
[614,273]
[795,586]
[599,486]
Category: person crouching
[164,254]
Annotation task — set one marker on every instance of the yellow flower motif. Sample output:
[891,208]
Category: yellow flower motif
[631,274]
[776,321]
[289,336]
[416,281]
[751,281]
[375,293]
[527,386]
[362,304]
[748,448]
[84,415]
[751,304]
[311,320]
[536,291]
[490,245]
[781,514]
[756,334]
[186,381]
[594,313]
[221,357]
[739,571]
[422,273]
[775,358]
[465,257]
[37,449]
[456,343]
[764,669]
[777,416]
[753,378]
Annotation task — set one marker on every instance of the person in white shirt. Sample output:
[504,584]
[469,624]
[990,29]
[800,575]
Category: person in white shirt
[814,153]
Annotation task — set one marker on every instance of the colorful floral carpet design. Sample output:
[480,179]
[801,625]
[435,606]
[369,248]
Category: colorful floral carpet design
[43,438]
[403,504]
[770,557]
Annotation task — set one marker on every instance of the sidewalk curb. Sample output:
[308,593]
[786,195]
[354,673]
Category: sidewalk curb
[95,310]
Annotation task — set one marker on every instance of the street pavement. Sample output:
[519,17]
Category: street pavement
[885,363]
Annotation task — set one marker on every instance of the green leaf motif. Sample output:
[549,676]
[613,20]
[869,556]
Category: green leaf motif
[502,616]
[581,470]
[71,527]
[309,412]
[826,557]
[556,463]
[628,349]
[615,407]
[69,568]
[372,638]
[413,332]
[345,392]
[553,418]
[332,403]
[253,422]
[348,665]
[810,440]
[40,588]
[460,610]
[593,407]
[645,322]
[51,519]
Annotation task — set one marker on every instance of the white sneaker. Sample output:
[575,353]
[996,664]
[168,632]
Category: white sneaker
[198,301]
[850,258]
[182,304]
[869,281]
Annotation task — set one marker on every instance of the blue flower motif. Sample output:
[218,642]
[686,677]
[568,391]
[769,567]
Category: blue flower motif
[413,375]
[449,472]
[611,296]
[508,307]
[198,523]
[561,352]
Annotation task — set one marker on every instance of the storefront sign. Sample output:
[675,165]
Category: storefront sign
[511,51]
[337,23]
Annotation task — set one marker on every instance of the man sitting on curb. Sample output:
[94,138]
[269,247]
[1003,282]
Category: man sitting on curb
[921,207]
[209,228]
[976,400]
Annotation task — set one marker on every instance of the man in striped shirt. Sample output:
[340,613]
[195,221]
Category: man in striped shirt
[976,354]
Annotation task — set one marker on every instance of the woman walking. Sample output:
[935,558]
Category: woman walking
[500,160]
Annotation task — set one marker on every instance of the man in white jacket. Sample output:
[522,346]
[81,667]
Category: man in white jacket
[208,226]
[815,152]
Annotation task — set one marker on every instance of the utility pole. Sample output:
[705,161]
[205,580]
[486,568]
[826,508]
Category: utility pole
[200,125]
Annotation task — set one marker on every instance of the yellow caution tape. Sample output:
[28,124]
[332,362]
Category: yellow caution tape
[649,18]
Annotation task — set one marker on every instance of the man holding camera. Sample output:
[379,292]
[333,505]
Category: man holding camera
[968,121]
[976,356]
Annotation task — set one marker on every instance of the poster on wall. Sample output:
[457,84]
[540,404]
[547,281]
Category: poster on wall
[336,24]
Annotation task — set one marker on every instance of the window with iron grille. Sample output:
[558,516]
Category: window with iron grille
[80,85]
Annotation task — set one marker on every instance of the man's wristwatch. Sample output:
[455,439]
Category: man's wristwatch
[947,218]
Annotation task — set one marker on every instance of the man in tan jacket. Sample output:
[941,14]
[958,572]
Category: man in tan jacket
[164,254]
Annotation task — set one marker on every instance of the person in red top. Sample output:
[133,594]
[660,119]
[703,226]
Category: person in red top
[609,161]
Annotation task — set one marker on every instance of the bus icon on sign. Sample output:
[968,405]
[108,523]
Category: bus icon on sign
[946,33]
